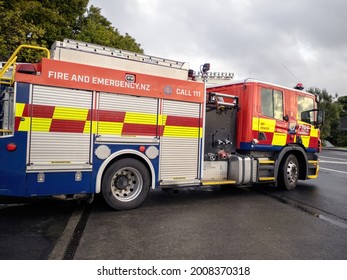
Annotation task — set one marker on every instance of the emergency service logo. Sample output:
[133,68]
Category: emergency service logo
[168,90]
[292,127]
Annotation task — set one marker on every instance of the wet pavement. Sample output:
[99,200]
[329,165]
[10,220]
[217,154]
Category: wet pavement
[309,222]
[210,224]
[29,231]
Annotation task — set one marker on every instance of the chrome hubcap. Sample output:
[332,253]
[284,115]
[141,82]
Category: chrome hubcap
[292,172]
[126,184]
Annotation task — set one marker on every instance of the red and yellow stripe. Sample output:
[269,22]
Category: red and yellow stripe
[42,118]
[279,137]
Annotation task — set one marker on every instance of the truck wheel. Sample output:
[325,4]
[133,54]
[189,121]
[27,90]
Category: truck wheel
[289,173]
[125,184]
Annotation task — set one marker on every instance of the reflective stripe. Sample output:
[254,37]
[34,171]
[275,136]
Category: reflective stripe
[314,176]
[46,118]
[266,161]
[112,128]
[267,178]
[267,125]
[70,113]
[263,125]
[24,124]
[140,118]
[279,139]
[19,109]
[255,123]
[182,131]
[314,132]
[130,129]
[41,124]
[225,182]
[87,127]
[305,140]
[162,119]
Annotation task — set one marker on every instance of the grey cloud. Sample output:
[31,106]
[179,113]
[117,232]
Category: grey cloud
[250,38]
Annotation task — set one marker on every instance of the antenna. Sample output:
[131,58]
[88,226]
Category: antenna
[299,85]
[291,73]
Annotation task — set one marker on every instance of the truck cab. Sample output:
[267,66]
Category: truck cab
[276,127]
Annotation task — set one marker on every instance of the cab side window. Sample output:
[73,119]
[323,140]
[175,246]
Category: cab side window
[305,104]
[272,103]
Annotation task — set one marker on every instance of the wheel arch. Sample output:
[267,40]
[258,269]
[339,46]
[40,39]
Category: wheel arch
[301,156]
[128,153]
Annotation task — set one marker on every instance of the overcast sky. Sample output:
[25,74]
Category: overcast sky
[282,42]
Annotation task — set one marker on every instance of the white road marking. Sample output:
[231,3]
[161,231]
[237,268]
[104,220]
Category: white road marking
[333,170]
[335,162]
[332,157]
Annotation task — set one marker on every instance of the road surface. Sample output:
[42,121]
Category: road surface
[309,222]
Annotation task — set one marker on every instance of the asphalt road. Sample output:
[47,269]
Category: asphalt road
[326,195]
[213,223]
[30,230]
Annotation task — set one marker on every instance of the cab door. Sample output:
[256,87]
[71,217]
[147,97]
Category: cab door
[272,125]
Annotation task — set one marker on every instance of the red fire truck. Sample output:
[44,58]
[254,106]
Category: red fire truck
[89,119]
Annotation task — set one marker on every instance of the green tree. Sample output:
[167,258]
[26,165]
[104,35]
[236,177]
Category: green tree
[342,134]
[14,30]
[41,22]
[95,28]
[330,130]
[343,101]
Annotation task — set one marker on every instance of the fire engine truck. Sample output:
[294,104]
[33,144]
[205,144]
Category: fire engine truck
[90,119]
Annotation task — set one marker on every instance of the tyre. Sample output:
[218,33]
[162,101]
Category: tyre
[288,175]
[125,184]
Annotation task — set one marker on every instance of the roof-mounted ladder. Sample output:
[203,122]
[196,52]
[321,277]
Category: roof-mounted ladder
[102,50]
[97,55]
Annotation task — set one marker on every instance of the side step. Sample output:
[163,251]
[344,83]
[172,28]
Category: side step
[266,170]
[218,182]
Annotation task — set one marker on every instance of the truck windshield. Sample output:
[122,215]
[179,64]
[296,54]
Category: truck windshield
[6,112]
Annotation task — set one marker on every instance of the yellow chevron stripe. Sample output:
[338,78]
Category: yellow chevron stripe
[65,113]
[305,140]
[140,118]
[279,139]
[314,132]
[144,118]
[112,128]
[24,124]
[41,124]
[182,131]
[263,125]
[255,123]
[267,125]
[162,119]
[87,127]
[19,109]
